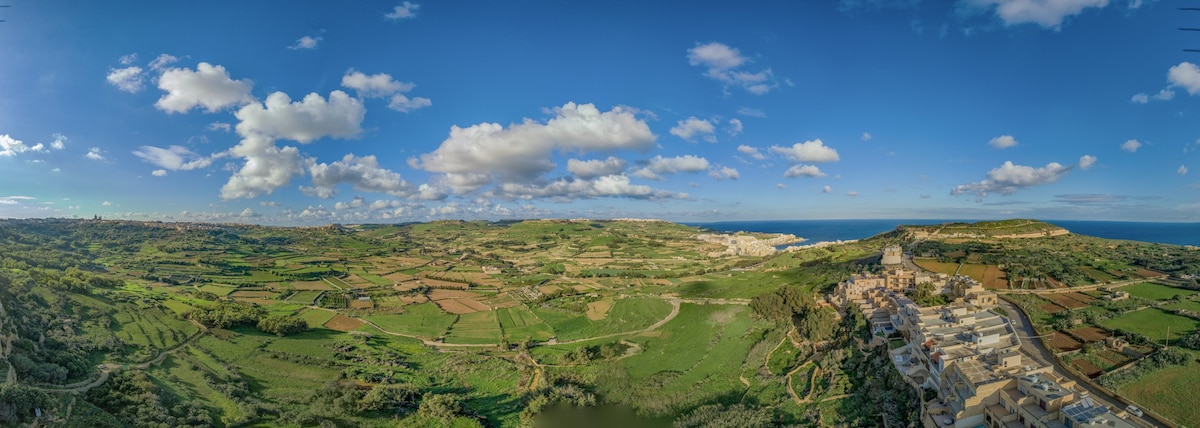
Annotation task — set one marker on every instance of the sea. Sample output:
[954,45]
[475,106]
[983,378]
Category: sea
[814,231]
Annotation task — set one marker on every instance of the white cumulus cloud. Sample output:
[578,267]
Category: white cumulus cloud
[724,64]
[587,169]
[159,173]
[1086,161]
[481,154]
[208,86]
[404,104]
[565,189]
[752,152]
[1185,75]
[1131,146]
[1003,142]
[808,151]
[128,59]
[405,10]
[692,127]
[1009,178]
[866,136]
[304,121]
[724,172]
[383,85]
[735,127]
[10,147]
[659,166]
[1183,170]
[128,79]
[60,141]
[267,167]
[803,171]
[363,173]
[306,42]
[94,153]
[1044,13]
[826,189]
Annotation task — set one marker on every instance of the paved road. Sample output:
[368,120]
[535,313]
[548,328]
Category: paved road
[1033,347]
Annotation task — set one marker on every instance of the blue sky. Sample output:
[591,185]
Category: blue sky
[369,111]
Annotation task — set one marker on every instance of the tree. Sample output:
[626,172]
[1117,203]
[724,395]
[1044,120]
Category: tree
[440,406]
[816,325]
[926,295]
[282,325]
[17,403]
[395,397]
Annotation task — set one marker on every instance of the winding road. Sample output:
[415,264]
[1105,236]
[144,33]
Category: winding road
[1032,345]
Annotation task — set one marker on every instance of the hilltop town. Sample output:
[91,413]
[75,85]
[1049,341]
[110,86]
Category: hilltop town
[970,359]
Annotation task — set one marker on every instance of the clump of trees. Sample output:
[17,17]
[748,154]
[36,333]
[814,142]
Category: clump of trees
[789,303]
[18,403]
[1191,341]
[282,325]
[232,314]
[925,295]
[134,399]
[444,407]
[227,315]
[586,354]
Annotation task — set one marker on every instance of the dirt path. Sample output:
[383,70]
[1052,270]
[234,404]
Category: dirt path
[767,362]
[675,303]
[428,342]
[107,368]
[674,312]
[792,392]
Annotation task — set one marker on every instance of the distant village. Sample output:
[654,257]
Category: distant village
[748,245]
[969,353]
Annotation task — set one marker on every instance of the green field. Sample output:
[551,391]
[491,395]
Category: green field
[478,327]
[151,328]
[1170,392]
[626,315]
[312,343]
[316,318]
[520,324]
[705,345]
[1190,305]
[1154,323]
[1152,291]
[219,290]
[425,320]
[305,297]
[177,306]
[179,378]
